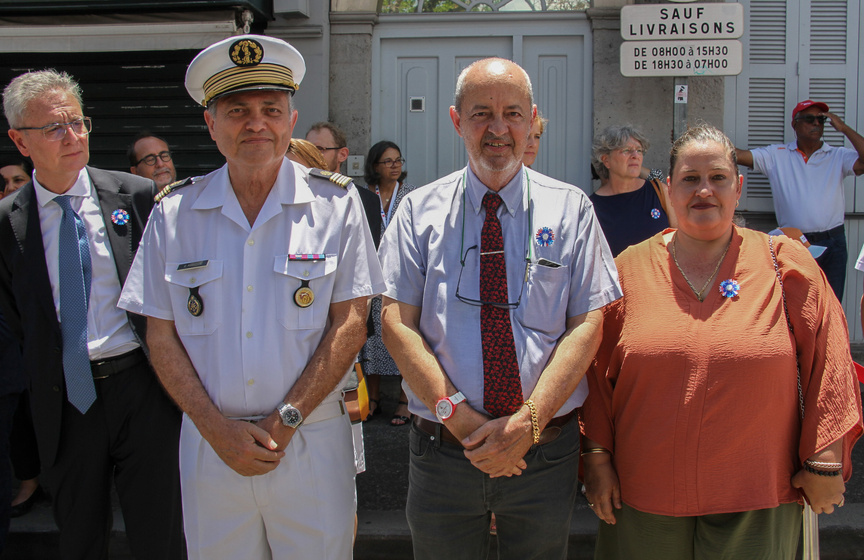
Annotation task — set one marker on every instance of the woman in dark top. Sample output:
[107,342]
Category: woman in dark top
[627,206]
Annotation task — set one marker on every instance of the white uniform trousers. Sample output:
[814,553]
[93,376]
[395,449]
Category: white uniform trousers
[302,509]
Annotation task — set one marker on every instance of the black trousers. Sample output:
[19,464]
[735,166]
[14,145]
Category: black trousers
[23,449]
[8,404]
[131,435]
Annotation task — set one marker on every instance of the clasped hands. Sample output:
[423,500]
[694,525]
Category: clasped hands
[250,449]
[495,446]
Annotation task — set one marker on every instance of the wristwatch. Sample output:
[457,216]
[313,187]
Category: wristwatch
[291,417]
[445,407]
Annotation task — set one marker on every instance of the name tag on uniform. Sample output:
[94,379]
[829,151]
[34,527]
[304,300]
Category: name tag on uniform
[193,265]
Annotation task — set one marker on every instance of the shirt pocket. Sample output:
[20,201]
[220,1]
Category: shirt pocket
[547,292]
[291,276]
[182,283]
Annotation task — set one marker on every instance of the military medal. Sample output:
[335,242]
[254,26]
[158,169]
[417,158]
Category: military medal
[304,296]
[195,304]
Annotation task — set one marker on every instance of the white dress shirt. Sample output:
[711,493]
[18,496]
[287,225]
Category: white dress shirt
[252,341]
[570,271]
[108,330]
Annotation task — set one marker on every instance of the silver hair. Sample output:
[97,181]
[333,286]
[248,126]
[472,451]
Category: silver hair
[211,107]
[613,138]
[460,81]
[27,87]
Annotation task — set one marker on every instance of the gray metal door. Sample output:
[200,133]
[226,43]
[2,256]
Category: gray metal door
[415,66]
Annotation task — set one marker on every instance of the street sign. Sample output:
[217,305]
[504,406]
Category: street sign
[681,58]
[658,22]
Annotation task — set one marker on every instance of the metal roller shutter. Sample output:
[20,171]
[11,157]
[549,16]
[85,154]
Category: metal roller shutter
[124,93]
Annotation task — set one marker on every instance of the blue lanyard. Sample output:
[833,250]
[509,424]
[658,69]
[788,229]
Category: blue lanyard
[385,217]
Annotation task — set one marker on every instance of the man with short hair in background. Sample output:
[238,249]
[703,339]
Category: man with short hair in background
[149,156]
[330,141]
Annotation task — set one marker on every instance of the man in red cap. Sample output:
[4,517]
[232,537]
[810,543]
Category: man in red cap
[806,178]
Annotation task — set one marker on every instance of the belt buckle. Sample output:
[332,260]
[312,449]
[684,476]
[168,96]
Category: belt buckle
[97,365]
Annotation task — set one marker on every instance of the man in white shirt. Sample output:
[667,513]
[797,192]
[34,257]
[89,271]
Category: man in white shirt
[255,282]
[67,240]
[806,178]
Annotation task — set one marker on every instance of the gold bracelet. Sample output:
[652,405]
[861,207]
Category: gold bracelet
[535,424]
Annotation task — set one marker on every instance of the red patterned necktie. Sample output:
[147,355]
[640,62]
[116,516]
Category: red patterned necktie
[502,388]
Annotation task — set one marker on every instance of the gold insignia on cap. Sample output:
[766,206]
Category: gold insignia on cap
[246,52]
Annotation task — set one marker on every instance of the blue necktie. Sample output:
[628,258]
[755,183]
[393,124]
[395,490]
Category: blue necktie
[75,274]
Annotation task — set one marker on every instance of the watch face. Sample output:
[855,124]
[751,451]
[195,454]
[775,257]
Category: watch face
[444,409]
[290,416]
[293,416]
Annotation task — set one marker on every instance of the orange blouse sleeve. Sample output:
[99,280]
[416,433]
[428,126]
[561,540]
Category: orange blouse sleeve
[832,397]
[595,415]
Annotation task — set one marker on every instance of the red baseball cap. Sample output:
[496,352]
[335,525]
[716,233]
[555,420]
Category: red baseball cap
[805,104]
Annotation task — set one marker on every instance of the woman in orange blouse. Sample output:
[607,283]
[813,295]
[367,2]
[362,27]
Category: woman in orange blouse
[693,442]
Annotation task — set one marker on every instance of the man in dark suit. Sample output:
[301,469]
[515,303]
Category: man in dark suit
[67,240]
[330,141]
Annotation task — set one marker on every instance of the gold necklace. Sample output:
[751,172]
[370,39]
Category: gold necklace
[699,294]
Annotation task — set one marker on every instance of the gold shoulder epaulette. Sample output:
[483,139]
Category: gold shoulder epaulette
[173,187]
[341,180]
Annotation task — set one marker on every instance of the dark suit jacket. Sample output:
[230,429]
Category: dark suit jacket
[372,209]
[25,288]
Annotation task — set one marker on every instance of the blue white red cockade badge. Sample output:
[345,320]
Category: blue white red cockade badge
[545,237]
[120,217]
[729,288]
[655,213]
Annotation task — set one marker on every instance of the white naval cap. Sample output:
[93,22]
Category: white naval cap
[244,63]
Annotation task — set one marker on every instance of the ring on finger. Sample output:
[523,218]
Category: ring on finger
[590,504]
[842,501]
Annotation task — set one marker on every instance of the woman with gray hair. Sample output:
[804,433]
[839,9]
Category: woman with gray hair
[630,209]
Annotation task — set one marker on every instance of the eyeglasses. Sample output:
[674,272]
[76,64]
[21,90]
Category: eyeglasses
[57,131]
[810,119]
[151,158]
[392,162]
[630,151]
[479,303]
[528,253]
[323,149]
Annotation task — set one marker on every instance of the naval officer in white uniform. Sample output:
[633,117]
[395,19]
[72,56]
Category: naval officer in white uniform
[255,279]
